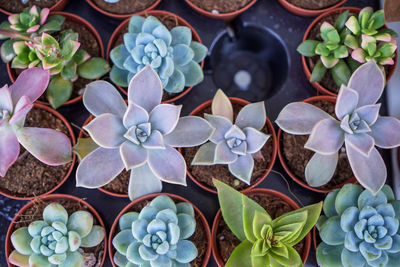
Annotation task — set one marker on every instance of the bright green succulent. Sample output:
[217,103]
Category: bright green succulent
[359,228]
[264,242]
[157,235]
[55,240]
[332,51]
[172,54]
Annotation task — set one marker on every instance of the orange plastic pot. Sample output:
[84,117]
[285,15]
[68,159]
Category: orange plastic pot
[227,17]
[73,18]
[258,192]
[241,102]
[307,12]
[159,14]
[120,16]
[51,198]
[60,5]
[150,197]
[286,167]
[72,137]
[306,68]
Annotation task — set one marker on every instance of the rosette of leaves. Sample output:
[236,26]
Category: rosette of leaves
[233,143]
[331,50]
[359,127]
[172,54]
[157,236]
[50,146]
[139,138]
[55,240]
[64,59]
[359,228]
[368,40]
[264,242]
[31,22]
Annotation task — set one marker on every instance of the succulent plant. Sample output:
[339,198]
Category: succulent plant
[172,54]
[49,146]
[359,127]
[368,40]
[331,50]
[359,228]
[233,143]
[264,242]
[139,138]
[55,240]
[157,236]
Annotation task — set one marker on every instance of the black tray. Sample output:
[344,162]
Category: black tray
[283,32]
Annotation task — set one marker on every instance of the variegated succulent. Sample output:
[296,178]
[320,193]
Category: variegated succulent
[139,138]
[55,240]
[359,228]
[50,146]
[172,54]
[369,40]
[157,236]
[233,143]
[359,127]
[264,241]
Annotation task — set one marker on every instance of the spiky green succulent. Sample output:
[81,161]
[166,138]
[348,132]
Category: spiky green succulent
[157,236]
[55,240]
[172,54]
[359,228]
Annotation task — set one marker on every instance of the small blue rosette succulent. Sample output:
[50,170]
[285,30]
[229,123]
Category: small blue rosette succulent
[359,228]
[157,236]
[172,54]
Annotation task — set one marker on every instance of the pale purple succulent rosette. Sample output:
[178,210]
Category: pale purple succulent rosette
[47,145]
[139,137]
[234,142]
[359,128]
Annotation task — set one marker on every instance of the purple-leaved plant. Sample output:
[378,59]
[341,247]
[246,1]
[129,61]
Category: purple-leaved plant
[49,146]
[359,127]
[139,137]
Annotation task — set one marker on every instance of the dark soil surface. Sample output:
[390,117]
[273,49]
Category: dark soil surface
[297,156]
[221,6]
[314,4]
[29,177]
[227,241]
[124,6]
[205,174]
[16,6]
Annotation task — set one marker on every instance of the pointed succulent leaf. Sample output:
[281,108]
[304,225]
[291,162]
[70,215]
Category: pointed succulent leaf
[385,132]
[9,148]
[293,258]
[192,72]
[143,181]
[59,91]
[242,168]
[318,72]
[241,255]
[341,73]
[200,51]
[176,82]
[37,78]
[252,115]
[93,68]
[164,117]
[353,25]
[99,130]
[84,147]
[205,154]
[222,106]
[307,48]
[361,141]
[182,54]
[320,169]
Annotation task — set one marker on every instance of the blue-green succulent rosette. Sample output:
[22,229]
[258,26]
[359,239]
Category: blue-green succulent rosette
[359,228]
[171,53]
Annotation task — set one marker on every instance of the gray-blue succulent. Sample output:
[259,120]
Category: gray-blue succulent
[157,235]
[172,54]
[359,228]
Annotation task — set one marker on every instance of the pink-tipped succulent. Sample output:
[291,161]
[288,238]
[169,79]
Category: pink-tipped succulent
[359,128]
[49,146]
[139,137]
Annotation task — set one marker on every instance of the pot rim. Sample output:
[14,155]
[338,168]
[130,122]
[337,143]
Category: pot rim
[258,191]
[73,142]
[55,197]
[152,196]
[271,130]
[60,5]
[157,13]
[308,12]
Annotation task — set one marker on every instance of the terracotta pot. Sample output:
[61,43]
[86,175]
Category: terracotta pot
[223,16]
[73,18]
[286,167]
[262,192]
[81,133]
[306,68]
[150,197]
[271,131]
[51,198]
[315,238]
[307,12]
[72,137]
[60,5]
[159,14]
[121,16]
